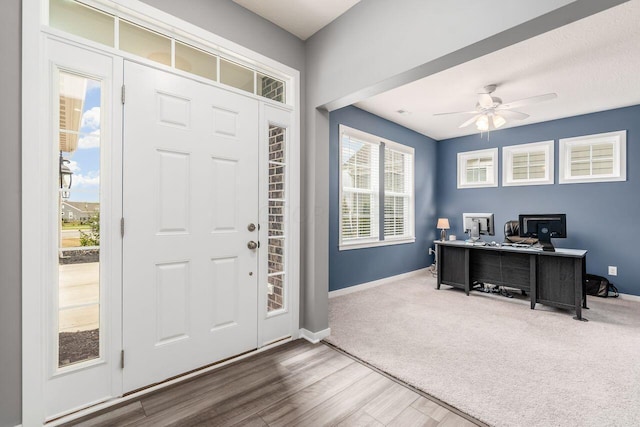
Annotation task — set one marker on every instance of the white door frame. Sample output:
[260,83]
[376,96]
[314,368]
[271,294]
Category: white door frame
[36,212]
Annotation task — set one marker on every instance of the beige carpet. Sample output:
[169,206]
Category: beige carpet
[495,358]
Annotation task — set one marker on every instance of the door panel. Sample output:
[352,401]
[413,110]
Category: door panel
[190,188]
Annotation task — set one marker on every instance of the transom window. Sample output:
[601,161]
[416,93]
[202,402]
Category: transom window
[594,158]
[364,220]
[528,164]
[101,27]
[478,168]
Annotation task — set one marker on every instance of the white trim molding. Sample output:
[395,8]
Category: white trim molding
[375,283]
[491,179]
[314,337]
[529,150]
[617,141]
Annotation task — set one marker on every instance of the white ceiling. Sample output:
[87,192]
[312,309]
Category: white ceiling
[592,64]
[303,18]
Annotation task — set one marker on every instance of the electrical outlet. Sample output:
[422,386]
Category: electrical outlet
[613,270]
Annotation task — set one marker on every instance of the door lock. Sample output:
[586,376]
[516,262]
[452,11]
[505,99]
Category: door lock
[251,227]
[252,245]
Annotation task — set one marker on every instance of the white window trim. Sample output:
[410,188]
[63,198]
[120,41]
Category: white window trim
[462,159]
[379,240]
[619,157]
[507,163]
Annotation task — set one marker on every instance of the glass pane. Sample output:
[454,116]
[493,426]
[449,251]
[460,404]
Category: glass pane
[581,169]
[79,121]
[520,173]
[537,172]
[236,76]
[580,152]
[602,151]
[196,61]
[602,167]
[359,164]
[271,88]
[277,233]
[145,43]
[81,20]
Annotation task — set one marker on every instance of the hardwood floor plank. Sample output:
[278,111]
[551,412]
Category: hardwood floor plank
[297,404]
[123,416]
[390,403]
[345,403]
[360,419]
[430,408]
[248,370]
[411,417]
[239,400]
[254,421]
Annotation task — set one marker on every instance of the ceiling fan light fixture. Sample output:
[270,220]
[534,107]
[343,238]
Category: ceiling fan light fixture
[482,123]
[498,121]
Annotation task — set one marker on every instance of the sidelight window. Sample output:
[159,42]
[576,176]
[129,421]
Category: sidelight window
[79,144]
[277,232]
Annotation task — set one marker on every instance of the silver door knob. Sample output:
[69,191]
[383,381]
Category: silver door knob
[252,245]
[251,227]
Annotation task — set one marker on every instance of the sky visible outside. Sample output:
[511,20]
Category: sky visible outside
[85,161]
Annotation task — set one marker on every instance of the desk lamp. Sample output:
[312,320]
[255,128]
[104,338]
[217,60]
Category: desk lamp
[443,225]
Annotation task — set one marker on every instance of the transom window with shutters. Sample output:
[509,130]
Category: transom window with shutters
[478,168]
[372,214]
[594,158]
[528,164]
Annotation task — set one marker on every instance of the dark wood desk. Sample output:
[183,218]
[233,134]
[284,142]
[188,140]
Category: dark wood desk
[551,278]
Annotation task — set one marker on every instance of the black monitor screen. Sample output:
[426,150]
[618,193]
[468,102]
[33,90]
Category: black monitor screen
[544,227]
[552,225]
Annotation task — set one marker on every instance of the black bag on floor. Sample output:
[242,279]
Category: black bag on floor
[599,286]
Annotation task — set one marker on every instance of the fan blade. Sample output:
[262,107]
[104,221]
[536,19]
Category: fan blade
[485,100]
[456,112]
[527,101]
[468,122]
[516,115]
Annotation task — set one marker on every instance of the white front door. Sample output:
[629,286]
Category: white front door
[190,191]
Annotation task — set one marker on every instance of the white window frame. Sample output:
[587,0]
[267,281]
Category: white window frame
[464,157]
[619,141]
[507,163]
[378,239]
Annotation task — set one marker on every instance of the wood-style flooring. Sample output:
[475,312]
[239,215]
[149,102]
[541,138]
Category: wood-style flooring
[296,384]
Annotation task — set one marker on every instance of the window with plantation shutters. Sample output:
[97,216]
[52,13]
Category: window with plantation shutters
[359,202]
[478,168]
[376,191]
[398,192]
[594,158]
[528,164]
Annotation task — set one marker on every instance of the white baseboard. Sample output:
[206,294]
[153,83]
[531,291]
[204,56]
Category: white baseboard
[630,297]
[314,337]
[373,284]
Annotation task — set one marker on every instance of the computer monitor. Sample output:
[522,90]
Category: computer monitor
[478,223]
[544,227]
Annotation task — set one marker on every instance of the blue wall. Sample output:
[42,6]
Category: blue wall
[601,217]
[355,266]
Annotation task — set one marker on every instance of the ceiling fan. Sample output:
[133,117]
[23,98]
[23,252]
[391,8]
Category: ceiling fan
[491,113]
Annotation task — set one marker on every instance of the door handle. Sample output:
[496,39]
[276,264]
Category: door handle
[252,245]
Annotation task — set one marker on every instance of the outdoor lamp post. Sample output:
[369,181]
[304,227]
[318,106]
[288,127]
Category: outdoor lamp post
[65,177]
